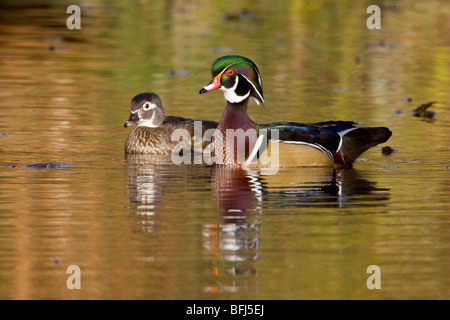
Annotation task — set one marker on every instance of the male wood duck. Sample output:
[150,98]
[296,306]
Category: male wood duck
[332,143]
[153,131]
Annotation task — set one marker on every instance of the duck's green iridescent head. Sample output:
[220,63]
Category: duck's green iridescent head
[238,78]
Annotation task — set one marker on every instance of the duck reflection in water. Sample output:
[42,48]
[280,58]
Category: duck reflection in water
[320,187]
[241,195]
[233,243]
[145,189]
[232,240]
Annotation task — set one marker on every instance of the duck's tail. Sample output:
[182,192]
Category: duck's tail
[357,141]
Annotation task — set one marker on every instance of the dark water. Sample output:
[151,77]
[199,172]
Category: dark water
[140,228]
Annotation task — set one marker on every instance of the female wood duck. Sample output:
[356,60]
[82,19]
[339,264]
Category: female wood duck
[153,132]
[332,143]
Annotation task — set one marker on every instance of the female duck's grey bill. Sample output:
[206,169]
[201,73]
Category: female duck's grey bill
[133,119]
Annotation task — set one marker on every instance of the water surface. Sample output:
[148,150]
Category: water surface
[145,228]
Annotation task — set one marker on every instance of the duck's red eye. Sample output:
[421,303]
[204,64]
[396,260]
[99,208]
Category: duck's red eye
[229,72]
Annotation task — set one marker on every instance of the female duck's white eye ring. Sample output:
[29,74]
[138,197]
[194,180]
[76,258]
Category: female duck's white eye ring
[147,106]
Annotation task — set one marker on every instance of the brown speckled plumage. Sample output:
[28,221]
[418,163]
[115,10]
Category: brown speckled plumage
[157,141]
[153,134]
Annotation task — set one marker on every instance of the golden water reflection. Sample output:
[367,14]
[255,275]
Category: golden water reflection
[158,231]
[231,243]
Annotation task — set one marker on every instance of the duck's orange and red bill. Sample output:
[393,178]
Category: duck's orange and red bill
[212,85]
